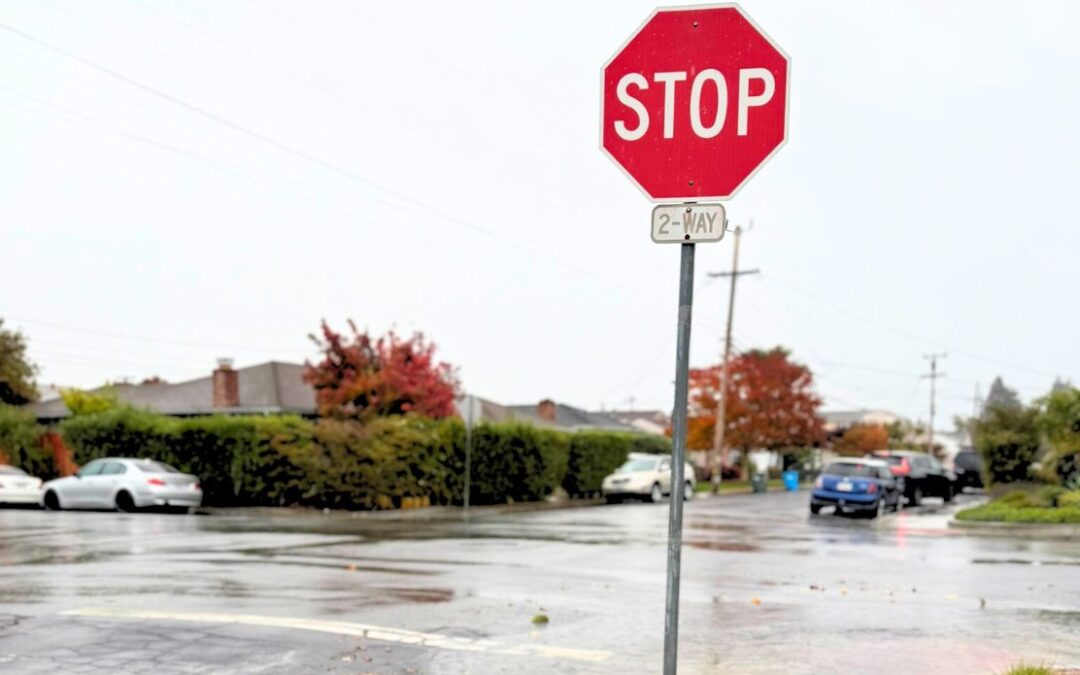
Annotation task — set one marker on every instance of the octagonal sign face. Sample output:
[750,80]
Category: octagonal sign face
[694,103]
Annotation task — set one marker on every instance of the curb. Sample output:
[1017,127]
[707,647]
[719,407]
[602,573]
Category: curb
[430,513]
[1062,531]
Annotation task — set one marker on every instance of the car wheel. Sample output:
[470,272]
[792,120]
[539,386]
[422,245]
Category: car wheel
[124,502]
[916,496]
[656,494]
[52,502]
[948,494]
[815,509]
[613,499]
[879,510]
[688,491]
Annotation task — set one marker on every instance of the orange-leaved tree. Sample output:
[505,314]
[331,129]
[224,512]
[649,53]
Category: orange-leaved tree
[861,439]
[771,404]
[360,377]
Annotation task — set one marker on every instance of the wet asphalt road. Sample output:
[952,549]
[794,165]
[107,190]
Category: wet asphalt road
[766,589]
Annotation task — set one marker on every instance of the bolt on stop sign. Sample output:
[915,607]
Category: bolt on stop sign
[694,103]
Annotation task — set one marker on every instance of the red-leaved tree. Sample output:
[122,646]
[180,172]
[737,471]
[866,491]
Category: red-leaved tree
[360,377]
[861,439]
[771,404]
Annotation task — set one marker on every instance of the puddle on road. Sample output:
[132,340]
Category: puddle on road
[332,566]
[726,546]
[24,594]
[420,595]
[1068,618]
[1021,561]
[716,527]
[65,558]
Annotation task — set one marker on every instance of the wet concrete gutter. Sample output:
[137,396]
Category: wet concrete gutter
[1056,532]
[428,514]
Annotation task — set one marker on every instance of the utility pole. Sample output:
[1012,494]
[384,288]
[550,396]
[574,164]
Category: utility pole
[719,457]
[933,375]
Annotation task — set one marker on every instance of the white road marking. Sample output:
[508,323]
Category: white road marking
[406,637]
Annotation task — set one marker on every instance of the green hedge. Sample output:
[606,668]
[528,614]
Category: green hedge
[20,443]
[595,454]
[1049,504]
[279,460]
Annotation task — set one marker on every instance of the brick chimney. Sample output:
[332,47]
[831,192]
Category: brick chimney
[226,385]
[545,410]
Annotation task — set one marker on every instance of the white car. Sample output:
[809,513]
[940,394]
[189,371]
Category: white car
[18,487]
[123,484]
[646,477]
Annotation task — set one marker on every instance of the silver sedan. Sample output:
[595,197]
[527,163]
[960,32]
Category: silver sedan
[17,487]
[124,484]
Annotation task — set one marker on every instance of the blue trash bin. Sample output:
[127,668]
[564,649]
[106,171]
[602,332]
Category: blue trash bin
[791,481]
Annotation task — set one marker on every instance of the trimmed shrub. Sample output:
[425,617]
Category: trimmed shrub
[1008,439]
[512,462]
[233,457]
[1069,500]
[20,443]
[595,454]
[280,460]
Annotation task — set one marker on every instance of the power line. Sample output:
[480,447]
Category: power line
[860,317]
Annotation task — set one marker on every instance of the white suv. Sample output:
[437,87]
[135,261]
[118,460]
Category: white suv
[646,477]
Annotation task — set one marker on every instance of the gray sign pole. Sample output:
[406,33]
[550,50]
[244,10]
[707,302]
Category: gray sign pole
[471,403]
[678,460]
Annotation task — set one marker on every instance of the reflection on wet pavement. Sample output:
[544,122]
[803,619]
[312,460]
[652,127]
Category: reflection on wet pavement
[762,581]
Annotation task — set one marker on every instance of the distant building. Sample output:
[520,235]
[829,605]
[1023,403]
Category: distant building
[567,417]
[647,421]
[48,392]
[839,420]
[548,413]
[267,388]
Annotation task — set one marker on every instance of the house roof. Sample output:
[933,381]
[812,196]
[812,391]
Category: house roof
[272,387]
[845,418]
[569,417]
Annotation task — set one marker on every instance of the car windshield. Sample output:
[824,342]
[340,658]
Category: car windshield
[893,460]
[968,460]
[851,469]
[11,471]
[155,467]
[637,465]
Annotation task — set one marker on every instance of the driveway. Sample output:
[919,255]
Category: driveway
[766,589]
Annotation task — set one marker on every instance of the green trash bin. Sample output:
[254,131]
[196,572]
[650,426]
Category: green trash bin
[757,482]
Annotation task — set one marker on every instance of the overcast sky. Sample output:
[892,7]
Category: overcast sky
[181,181]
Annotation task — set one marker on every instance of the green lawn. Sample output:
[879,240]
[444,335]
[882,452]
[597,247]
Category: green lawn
[1024,669]
[1046,505]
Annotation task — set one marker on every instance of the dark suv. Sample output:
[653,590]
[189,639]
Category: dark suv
[968,470]
[923,475]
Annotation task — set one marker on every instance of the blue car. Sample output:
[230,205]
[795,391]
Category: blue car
[861,486]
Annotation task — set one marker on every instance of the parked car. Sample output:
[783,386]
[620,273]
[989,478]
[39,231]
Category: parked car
[646,477]
[922,475]
[863,486]
[18,487]
[968,469]
[124,484]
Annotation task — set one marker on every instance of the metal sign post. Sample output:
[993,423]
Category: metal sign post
[692,105]
[470,418]
[678,460]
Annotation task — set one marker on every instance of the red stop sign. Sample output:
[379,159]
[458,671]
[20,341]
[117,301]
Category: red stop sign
[694,103]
